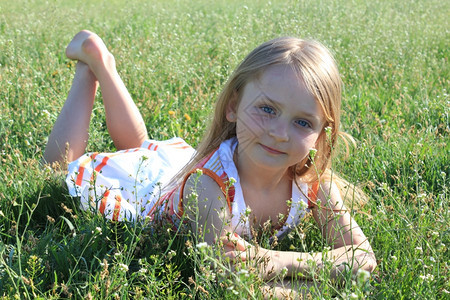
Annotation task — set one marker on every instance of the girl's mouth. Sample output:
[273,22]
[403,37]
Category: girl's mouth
[271,150]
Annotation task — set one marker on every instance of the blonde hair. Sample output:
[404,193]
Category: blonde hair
[316,66]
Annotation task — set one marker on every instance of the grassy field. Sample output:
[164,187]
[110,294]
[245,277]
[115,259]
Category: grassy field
[176,56]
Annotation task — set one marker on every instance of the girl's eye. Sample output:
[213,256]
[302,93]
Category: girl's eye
[303,123]
[267,109]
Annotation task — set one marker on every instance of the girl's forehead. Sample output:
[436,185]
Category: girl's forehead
[280,77]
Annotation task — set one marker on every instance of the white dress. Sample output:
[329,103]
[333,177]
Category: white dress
[128,184]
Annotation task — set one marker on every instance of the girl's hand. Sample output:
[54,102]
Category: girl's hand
[268,262]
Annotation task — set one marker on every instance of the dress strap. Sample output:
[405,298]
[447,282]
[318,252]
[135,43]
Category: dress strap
[312,194]
[227,191]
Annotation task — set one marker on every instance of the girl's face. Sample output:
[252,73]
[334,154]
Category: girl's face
[277,120]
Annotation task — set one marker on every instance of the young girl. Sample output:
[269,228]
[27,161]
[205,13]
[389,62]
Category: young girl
[266,157]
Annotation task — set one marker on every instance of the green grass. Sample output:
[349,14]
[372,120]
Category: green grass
[176,55]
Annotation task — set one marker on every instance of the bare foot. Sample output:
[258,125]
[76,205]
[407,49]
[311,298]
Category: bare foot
[89,48]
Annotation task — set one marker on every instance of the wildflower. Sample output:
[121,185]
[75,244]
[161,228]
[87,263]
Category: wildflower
[419,249]
[432,259]
[243,272]
[312,153]
[171,254]
[98,230]
[45,112]
[443,174]
[284,272]
[248,211]
[143,271]
[202,245]
[428,277]
[363,275]
[353,296]
[50,219]
[394,258]
[302,205]
[328,131]
[123,267]
[232,181]
[187,117]
[171,113]
[199,172]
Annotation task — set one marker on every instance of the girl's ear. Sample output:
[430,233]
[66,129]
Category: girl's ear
[231,111]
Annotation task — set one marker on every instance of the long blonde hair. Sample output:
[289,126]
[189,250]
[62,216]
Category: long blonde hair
[316,66]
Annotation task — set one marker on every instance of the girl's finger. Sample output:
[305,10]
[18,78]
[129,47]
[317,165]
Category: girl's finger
[233,239]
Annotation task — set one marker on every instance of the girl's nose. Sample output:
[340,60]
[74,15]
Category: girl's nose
[279,130]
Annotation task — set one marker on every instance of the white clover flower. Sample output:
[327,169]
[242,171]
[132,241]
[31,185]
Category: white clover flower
[394,258]
[123,267]
[201,245]
[143,271]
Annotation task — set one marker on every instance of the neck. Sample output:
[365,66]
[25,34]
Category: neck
[259,177]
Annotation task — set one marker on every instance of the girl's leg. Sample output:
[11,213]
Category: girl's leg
[72,125]
[123,119]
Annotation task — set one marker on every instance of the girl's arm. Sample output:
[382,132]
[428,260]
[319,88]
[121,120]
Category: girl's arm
[206,207]
[349,246]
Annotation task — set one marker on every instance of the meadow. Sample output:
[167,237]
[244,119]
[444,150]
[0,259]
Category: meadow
[174,57]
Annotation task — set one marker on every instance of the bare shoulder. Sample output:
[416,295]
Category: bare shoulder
[203,187]
[330,196]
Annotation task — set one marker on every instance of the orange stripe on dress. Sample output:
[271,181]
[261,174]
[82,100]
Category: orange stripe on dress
[103,202]
[82,167]
[117,206]
[312,194]
[102,164]
[177,143]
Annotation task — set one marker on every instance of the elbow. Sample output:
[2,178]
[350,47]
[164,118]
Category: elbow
[367,262]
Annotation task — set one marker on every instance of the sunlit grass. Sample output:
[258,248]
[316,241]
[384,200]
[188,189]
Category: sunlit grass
[174,57]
